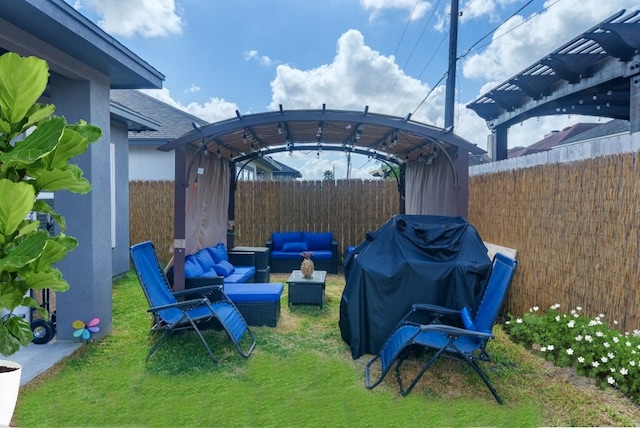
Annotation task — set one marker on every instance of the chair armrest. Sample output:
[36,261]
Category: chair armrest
[199,290]
[242,258]
[434,309]
[455,331]
[269,243]
[179,305]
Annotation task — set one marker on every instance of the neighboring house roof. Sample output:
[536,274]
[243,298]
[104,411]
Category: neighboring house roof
[173,122]
[135,121]
[286,170]
[554,139]
[65,28]
[612,127]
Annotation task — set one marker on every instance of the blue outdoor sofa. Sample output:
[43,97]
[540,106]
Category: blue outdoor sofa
[285,250]
[214,265]
[259,303]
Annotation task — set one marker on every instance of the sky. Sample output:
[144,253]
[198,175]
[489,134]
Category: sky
[219,56]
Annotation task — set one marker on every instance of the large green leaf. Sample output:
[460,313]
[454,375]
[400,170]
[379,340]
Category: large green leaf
[43,207]
[25,251]
[16,201]
[37,113]
[22,81]
[67,178]
[91,132]
[71,144]
[68,242]
[8,344]
[20,329]
[53,252]
[36,145]
[51,279]
[12,294]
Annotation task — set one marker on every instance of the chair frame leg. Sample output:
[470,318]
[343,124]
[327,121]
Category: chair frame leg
[464,357]
[415,380]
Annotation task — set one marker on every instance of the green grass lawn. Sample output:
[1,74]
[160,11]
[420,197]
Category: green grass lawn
[301,374]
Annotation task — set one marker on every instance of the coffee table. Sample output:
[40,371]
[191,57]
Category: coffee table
[307,291]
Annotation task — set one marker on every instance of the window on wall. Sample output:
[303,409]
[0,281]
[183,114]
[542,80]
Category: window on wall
[247,173]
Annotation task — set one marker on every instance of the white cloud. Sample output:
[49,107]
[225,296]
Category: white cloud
[253,55]
[417,9]
[147,18]
[193,88]
[214,110]
[355,79]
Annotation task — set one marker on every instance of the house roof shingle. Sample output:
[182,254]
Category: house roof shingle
[173,122]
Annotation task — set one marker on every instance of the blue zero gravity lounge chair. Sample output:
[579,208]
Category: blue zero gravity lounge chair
[171,315]
[450,334]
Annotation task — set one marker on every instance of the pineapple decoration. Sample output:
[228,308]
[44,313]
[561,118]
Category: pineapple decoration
[307,264]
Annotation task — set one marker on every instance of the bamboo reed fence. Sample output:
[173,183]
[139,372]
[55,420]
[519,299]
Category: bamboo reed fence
[575,225]
[348,208]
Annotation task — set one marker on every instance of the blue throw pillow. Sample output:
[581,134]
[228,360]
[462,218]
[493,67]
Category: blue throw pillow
[280,238]
[224,268]
[295,247]
[192,268]
[204,259]
[218,252]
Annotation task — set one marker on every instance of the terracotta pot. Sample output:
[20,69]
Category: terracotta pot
[9,386]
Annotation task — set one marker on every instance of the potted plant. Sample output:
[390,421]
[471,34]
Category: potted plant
[35,149]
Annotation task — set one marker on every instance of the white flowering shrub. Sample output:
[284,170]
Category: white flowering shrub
[588,344]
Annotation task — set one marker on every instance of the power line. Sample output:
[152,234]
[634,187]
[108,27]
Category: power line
[424,28]
[397,47]
[470,49]
[535,15]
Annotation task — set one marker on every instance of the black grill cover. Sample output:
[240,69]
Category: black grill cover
[410,259]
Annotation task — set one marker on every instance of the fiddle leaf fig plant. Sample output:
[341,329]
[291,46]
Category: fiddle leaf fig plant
[35,149]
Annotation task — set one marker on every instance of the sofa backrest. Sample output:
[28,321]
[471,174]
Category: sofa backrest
[281,238]
[313,241]
[318,241]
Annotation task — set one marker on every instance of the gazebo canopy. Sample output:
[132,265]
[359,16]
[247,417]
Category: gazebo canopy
[422,151]
[392,138]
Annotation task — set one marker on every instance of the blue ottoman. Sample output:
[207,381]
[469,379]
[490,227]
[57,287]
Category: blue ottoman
[259,303]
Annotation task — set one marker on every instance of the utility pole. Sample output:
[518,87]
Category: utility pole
[450,98]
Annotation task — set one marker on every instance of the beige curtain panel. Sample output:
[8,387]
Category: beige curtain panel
[207,201]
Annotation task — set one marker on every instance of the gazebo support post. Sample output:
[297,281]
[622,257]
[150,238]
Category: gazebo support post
[179,224]
[462,187]
[231,213]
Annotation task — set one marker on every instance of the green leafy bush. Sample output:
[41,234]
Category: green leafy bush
[35,149]
[587,344]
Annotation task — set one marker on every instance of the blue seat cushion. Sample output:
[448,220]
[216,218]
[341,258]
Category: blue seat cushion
[318,240]
[285,255]
[240,274]
[254,292]
[322,255]
[317,255]
[280,238]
